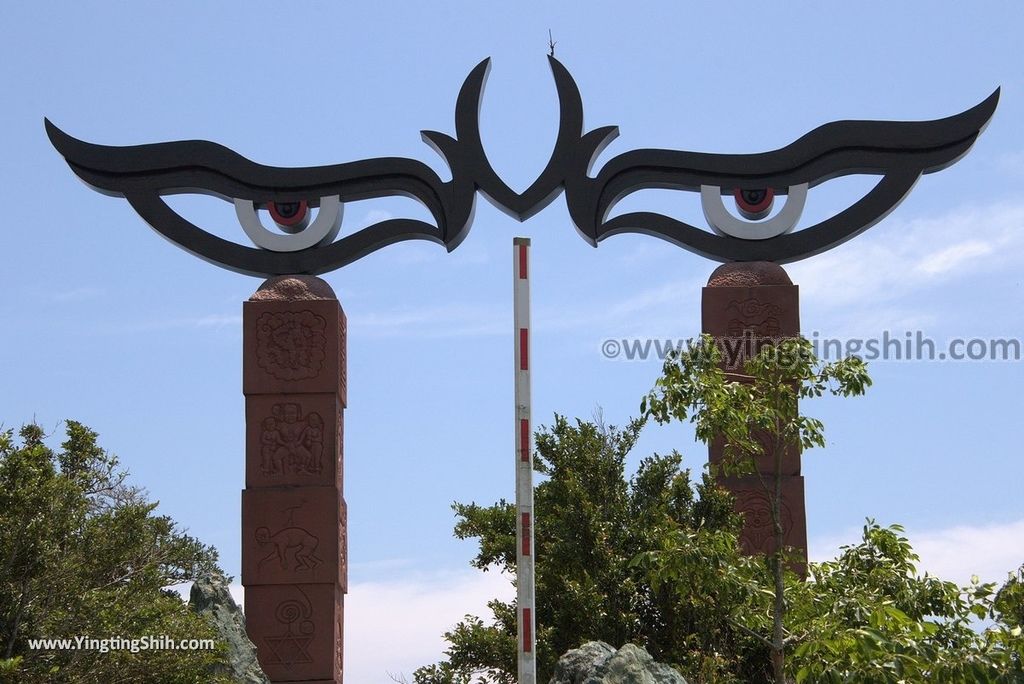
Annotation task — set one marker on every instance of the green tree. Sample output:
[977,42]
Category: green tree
[869,617]
[590,524]
[756,415]
[83,554]
[1009,602]
[865,618]
[648,561]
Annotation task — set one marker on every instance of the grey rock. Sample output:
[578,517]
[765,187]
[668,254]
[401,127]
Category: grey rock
[576,665]
[599,663]
[210,598]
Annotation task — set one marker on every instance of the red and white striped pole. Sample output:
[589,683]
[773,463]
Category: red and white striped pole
[525,594]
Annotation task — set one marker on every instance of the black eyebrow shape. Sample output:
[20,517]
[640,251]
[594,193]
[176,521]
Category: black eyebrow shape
[206,167]
[143,173]
[900,151]
[831,150]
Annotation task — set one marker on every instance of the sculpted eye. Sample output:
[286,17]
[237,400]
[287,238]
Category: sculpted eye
[753,205]
[292,215]
[897,152]
[293,218]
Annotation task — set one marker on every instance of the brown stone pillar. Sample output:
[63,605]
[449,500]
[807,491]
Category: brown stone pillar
[742,302]
[294,550]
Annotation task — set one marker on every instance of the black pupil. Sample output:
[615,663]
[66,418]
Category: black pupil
[753,196]
[287,209]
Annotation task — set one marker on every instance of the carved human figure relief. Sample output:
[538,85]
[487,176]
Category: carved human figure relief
[291,443]
[757,519]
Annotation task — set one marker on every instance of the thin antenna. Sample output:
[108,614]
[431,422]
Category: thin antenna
[551,44]
[526,599]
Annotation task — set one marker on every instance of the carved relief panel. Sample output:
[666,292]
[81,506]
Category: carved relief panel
[294,535]
[295,630]
[293,440]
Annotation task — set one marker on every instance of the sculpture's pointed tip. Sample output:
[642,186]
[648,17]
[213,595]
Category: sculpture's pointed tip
[58,138]
[985,109]
[993,100]
[51,128]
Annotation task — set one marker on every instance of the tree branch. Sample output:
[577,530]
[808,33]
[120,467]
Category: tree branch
[749,632]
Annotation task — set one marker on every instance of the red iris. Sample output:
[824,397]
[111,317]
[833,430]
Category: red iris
[754,204]
[288,213]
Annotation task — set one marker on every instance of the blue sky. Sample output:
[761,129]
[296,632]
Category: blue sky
[107,323]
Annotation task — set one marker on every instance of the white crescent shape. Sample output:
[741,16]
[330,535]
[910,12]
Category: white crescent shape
[724,223]
[323,229]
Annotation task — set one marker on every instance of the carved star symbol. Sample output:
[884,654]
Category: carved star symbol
[290,650]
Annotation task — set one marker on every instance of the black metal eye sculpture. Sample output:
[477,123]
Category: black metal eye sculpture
[899,152]
[143,174]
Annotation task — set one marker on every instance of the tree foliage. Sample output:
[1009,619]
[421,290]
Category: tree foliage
[757,417]
[1009,602]
[649,561]
[590,524]
[866,617]
[869,617]
[82,553]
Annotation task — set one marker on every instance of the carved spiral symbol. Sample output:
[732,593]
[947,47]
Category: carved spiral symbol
[289,612]
[750,308]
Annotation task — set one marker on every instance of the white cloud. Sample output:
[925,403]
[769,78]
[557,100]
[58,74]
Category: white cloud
[859,289]
[379,566]
[449,320]
[416,252]
[376,216]
[954,553]
[1011,162]
[657,311]
[868,280]
[959,552]
[899,257]
[887,278]
[411,253]
[393,627]
[870,323]
[474,254]
[79,294]
[205,322]
[951,258]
